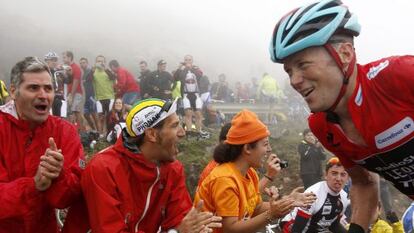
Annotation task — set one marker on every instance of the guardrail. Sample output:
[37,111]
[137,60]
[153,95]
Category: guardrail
[258,108]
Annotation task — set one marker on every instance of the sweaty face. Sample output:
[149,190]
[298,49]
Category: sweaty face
[336,178]
[258,153]
[34,97]
[314,74]
[168,137]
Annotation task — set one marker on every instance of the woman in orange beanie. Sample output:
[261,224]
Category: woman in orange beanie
[231,190]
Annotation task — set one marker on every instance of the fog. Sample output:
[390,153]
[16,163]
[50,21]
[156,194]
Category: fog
[224,36]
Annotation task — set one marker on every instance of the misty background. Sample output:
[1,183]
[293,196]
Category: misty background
[224,36]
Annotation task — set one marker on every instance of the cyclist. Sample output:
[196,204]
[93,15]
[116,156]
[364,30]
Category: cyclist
[59,79]
[361,113]
[325,214]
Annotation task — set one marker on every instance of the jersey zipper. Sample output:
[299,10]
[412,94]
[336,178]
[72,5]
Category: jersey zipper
[148,200]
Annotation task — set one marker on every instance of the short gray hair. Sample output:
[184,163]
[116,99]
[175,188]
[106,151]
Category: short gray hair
[28,64]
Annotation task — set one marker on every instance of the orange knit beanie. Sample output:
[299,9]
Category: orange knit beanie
[246,128]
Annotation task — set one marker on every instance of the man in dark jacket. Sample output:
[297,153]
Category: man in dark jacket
[311,154]
[160,82]
[143,80]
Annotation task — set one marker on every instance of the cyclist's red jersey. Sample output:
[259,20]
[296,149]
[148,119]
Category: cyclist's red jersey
[382,109]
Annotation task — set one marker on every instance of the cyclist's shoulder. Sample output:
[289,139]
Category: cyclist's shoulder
[387,67]
[318,189]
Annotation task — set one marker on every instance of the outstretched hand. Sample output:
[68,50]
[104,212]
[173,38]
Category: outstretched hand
[279,208]
[302,199]
[198,221]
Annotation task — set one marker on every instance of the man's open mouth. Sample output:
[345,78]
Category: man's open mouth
[41,107]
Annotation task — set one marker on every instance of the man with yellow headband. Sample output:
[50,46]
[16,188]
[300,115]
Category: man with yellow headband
[137,185]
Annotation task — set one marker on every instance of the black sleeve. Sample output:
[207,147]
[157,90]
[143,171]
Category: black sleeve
[337,226]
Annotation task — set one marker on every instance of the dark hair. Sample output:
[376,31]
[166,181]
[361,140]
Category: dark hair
[69,54]
[143,62]
[306,131]
[224,152]
[83,59]
[223,132]
[114,63]
[140,139]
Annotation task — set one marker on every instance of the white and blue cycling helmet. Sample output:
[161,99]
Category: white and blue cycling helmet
[311,25]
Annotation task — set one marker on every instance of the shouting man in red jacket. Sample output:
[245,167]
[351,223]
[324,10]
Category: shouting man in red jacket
[40,155]
[137,185]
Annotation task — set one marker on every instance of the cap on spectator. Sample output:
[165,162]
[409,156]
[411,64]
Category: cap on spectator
[246,128]
[50,56]
[148,113]
[162,62]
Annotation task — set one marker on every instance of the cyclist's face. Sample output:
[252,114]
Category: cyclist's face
[34,97]
[314,74]
[52,63]
[336,178]
[258,153]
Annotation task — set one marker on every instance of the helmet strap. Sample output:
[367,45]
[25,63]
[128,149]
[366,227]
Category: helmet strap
[346,74]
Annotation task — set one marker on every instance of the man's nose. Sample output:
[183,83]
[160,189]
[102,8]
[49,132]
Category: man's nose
[296,79]
[181,132]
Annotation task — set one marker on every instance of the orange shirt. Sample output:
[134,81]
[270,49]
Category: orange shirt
[227,193]
[207,170]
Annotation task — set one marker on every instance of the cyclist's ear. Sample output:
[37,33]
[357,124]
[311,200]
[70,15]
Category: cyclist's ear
[346,52]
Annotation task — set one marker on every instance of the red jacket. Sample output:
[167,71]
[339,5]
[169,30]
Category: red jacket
[23,208]
[124,194]
[125,82]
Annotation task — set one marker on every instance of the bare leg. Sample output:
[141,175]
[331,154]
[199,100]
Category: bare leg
[188,119]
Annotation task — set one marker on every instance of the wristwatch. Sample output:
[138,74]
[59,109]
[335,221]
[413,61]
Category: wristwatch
[172,231]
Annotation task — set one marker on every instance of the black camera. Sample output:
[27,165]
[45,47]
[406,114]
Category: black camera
[284,164]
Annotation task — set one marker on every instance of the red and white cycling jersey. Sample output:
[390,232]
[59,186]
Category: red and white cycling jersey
[382,109]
